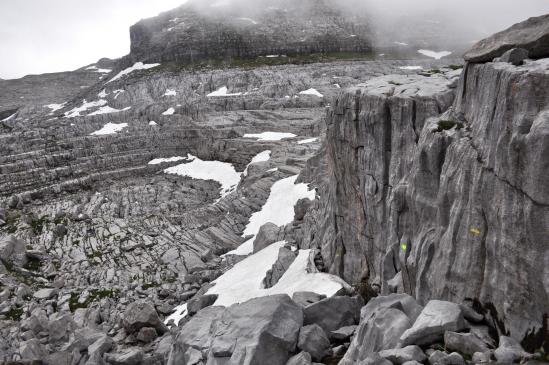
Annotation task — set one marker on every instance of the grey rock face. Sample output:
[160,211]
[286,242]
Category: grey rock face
[313,340]
[142,314]
[515,56]
[343,334]
[268,234]
[403,355]
[532,35]
[464,343]
[266,328]
[509,350]
[285,259]
[200,302]
[436,318]
[333,313]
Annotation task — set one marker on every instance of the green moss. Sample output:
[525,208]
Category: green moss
[435,71]
[455,67]
[96,294]
[444,125]
[33,264]
[394,83]
[11,223]
[14,314]
[37,225]
[150,285]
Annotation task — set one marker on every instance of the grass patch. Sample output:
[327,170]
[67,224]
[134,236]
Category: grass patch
[444,125]
[37,225]
[395,83]
[150,285]
[33,264]
[74,301]
[14,314]
[435,71]
[455,67]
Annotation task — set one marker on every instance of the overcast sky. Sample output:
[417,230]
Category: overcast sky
[38,36]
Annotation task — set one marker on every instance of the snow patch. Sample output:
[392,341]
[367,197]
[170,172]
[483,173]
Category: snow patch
[311,92]
[103,94]
[260,157]
[306,141]
[179,314]
[158,161]
[279,209]
[411,68]
[170,93]
[245,280]
[135,67]
[222,172]
[55,107]
[170,111]
[152,123]
[222,92]
[108,110]
[100,70]
[110,128]
[85,106]
[270,136]
[433,54]
[249,20]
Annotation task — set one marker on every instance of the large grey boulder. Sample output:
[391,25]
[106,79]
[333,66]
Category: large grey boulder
[403,302]
[333,313]
[200,302]
[436,318]
[130,356]
[260,331]
[32,350]
[451,359]
[509,350]
[141,314]
[464,343]
[532,35]
[267,235]
[405,354]
[12,250]
[303,358]
[515,56]
[313,339]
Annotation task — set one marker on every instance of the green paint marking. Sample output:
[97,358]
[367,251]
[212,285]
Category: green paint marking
[404,247]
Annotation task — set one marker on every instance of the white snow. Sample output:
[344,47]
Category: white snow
[110,128]
[118,92]
[279,209]
[433,54]
[103,94]
[270,136]
[306,141]
[152,123]
[338,86]
[179,314]
[260,157]
[85,106]
[8,118]
[273,56]
[245,280]
[401,43]
[411,68]
[222,172]
[173,20]
[55,107]
[222,92]
[158,161]
[100,70]
[170,93]
[108,110]
[170,111]
[311,92]
[249,20]
[135,67]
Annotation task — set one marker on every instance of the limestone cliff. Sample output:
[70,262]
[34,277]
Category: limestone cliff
[452,206]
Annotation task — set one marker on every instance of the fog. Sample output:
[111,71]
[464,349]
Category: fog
[38,36]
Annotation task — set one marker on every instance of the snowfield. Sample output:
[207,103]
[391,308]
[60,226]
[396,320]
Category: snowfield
[158,161]
[222,172]
[433,54]
[270,136]
[108,110]
[311,92]
[110,128]
[279,209]
[135,67]
[222,92]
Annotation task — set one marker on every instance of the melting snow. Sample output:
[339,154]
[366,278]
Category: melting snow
[55,107]
[108,110]
[100,70]
[110,128]
[411,68]
[222,172]
[311,92]
[170,111]
[279,209]
[163,160]
[170,93]
[137,66]
[433,54]
[85,106]
[270,136]
[305,141]
[260,157]
[222,92]
[179,314]
[245,280]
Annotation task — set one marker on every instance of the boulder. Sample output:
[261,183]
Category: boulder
[82,338]
[200,302]
[404,302]
[436,318]
[12,250]
[139,315]
[375,359]
[261,331]
[405,354]
[515,56]
[509,350]
[464,343]
[60,328]
[482,357]
[531,35]
[305,298]
[130,356]
[451,359]
[146,334]
[32,350]
[46,293]
[285,258]
[333,313]
[267,235]
[313,339]
[101,346]
[343,334]
[436,356]
[301,208]
[303,358]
